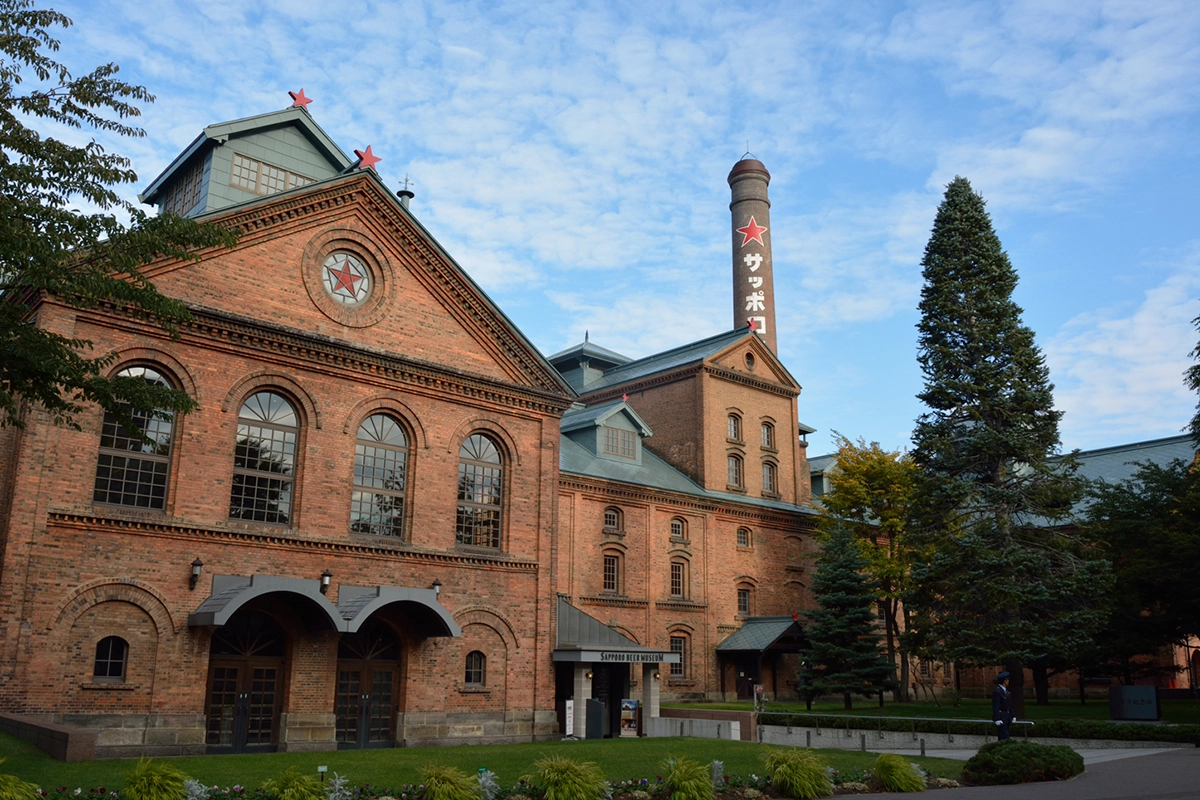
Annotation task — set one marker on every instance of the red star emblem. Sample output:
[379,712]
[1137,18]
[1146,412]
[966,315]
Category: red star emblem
[752,233]
[624,398]
[366,158]
[753,323]
[345,279]
[299,100]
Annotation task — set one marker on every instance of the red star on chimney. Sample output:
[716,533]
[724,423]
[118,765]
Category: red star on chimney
[299,100]
[752,232]
[367,159]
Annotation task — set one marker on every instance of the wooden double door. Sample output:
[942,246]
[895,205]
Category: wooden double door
[245,685]
[368,678]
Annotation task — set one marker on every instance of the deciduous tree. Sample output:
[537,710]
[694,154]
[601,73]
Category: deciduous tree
[50,247]
[871,496]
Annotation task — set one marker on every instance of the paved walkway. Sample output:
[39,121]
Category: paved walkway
[1145,774]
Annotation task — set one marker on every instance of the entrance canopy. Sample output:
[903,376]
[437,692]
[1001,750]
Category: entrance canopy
[584,638]
[356,604]
[779,634]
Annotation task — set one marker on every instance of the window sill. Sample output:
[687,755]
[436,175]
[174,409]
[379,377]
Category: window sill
[738,442]
[769,449]
[614,532]
[681,682]
[118,687]
[771,495]
[465,689]
[477,549]
[729,487]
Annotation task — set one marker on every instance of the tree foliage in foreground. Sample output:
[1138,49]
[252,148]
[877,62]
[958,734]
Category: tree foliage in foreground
[1149,525]
[844,655]
[872,497]
[49,247]
[998,580]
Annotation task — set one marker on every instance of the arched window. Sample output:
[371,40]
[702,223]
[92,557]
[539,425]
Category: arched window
[680,648]
[770,484]
[735,471]
[735,427]
[679,528]
[476,674]
[130,471]
[679,578]
[743,600]
[264,460]
[612,573]
[380,475]
[480,491]
[768,435]
[112,652]
[613,519]
[743,537]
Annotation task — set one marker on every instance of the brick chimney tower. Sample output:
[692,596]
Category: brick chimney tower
[753,284]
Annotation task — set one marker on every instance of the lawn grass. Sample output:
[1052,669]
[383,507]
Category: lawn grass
[621,759]
[1177,711]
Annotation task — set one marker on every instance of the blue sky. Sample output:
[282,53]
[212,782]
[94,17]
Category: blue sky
[572,157]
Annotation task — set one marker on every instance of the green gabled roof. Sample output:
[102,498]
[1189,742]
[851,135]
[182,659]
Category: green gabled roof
[222,132]
[589,351]
[596,416]
[670,359]
[760,633]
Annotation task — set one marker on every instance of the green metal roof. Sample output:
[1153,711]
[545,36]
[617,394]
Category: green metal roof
[671,359]
[760,633]
[595,416]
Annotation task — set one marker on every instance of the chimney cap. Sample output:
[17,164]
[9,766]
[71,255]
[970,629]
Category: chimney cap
[748,165]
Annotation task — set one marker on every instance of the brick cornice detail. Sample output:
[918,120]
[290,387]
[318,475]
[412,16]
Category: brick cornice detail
[747,380]
[680,605]
[468,305]
[606,600]
[239,335]
[281,538]
[660,379]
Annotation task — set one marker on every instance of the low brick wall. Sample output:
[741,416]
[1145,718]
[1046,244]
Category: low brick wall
[746,720]
[61,742]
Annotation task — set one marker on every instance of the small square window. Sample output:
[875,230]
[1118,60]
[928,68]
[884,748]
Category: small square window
[743,537]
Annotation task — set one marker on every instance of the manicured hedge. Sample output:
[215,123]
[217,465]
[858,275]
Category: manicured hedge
[1012,761]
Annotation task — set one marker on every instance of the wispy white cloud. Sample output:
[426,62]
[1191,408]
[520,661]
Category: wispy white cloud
[1120,372]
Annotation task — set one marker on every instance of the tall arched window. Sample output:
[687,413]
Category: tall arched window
[768,436]
[380,475]
[734,463]
[476,673]
[679,647]
[735,427]
[130,471]
[480,492]
[112,653]
[679,578]
[612,572]
[770,484]
[264,460]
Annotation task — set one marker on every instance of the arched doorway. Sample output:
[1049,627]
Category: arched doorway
[368,676]
[245,684]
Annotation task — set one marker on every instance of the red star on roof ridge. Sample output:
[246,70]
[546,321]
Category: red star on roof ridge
[752,233]
[367,159]
[624,398]
[300,100]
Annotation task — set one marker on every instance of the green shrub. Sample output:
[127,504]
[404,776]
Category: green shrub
[798,773]
[897,774]
[687,779]
[1021,762]
[13,788]
[566,779]
[448,783]
[154,780]
[292,784]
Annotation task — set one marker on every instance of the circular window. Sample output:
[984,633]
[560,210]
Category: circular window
[346,279]
[749,360]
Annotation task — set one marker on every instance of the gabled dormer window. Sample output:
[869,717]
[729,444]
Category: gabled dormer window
[618,442]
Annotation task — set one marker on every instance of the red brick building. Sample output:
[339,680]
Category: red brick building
[363,538]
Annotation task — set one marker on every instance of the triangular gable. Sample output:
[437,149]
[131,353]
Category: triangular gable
[598,417]
[762,633]
[767,367]
[435,312]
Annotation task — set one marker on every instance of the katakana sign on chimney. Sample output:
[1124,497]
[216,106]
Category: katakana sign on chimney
[753,286]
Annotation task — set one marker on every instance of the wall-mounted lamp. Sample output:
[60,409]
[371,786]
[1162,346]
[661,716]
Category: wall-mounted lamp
[197,566]
[657,675]
[589,675]
[326,577]
[436,586]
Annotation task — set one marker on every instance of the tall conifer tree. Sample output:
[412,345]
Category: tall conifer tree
[997,579]
[844,655]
